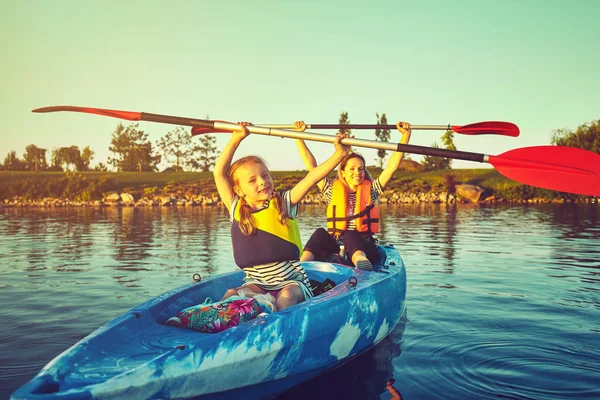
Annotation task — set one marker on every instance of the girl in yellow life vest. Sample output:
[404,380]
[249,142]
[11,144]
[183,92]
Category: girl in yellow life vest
[264,231]
[352,216]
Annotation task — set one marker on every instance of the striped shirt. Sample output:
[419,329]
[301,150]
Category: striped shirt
[327,192]
[276,276]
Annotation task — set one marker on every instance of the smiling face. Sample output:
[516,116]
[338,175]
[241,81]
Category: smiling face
[253,182]
[353,172]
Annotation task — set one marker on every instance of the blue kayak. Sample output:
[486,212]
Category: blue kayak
[138,356]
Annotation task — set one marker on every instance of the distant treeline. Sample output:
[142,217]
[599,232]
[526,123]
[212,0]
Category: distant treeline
[131,149]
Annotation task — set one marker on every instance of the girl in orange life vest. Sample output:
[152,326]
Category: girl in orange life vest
[265,235]
[352,216]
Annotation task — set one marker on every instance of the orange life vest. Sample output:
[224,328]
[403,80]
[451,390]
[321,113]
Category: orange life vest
[366,213]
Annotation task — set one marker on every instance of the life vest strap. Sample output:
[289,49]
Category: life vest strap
[359,215]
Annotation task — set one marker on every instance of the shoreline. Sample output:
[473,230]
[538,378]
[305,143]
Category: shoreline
[42,190]
[125,199]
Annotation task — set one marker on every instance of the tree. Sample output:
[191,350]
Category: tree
[70,158]
[206,150]
[434,163]
[66,158]
[12,162]
[87,155]
[448,141]
[101,167]
[35,158]
[177,144]
[133,151]
[586,137]
[344,120]
[382,135]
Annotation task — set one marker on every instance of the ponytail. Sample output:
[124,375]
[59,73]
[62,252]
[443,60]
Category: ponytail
[247,221]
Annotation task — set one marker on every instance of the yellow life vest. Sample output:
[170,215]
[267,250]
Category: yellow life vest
[366,213]
[272,241]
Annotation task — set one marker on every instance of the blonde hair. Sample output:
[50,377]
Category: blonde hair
[345,161]
[247,221]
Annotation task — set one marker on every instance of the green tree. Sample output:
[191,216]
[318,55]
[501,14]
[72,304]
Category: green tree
[87,155]
[12,162]
[206,154]
[448,142]
[586,137]
[35,158]
[101,167]
[133,151]
[381,135]
[66,158]
[344,120]
[436,163]
[176,145]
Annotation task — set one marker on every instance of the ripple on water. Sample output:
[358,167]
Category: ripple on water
[472,364]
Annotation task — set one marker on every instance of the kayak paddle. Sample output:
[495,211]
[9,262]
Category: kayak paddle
[477,128]
[565,169]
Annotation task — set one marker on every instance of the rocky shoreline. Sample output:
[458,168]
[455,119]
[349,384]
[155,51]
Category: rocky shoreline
[464,194]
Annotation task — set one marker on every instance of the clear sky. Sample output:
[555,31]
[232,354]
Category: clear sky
[532,62]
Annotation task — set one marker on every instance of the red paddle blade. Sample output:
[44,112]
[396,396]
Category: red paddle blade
[128,115]
[196,130]
[565,169]
[488,128]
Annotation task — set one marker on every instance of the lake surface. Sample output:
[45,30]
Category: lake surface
[503,301]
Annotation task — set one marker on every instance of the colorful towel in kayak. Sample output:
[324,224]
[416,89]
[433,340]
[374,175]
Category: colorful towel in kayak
[216,317]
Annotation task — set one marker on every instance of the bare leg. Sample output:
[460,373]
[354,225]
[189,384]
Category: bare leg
[234,291]
[288,296]
[307,255]
[360,260]
[358,255]
[229,293]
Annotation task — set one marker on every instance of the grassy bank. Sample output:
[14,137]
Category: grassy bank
[94,185]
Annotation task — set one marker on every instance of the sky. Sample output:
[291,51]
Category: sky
[531,62]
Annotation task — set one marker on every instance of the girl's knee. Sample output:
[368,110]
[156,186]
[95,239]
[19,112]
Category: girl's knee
[289,296]
[291,292]
[229,293]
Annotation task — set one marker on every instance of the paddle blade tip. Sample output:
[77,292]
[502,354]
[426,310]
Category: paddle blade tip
[501,128]
[559,168]
[45,109]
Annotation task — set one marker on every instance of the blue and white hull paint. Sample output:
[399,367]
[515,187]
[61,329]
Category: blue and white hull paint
[137,356]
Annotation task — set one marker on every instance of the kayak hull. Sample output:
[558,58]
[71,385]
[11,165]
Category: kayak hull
[137,356]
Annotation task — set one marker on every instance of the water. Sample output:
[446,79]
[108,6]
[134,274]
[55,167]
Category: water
[503,300]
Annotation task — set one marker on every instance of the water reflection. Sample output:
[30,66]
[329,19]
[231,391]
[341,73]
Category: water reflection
[365,377]
[438,226]
[133,233]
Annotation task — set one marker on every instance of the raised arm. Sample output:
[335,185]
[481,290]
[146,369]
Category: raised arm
[307,157]
[223,163]
[319,172]
[394,161]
